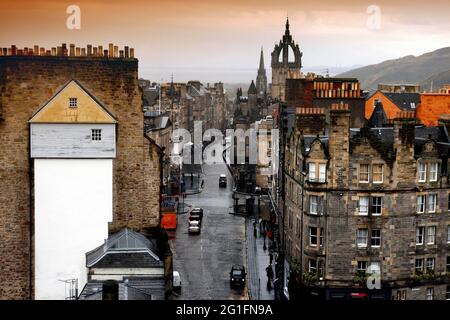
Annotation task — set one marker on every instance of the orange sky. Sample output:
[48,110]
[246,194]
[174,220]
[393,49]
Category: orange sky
[220,40]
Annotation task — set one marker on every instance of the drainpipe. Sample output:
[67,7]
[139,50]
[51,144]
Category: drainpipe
[31,219]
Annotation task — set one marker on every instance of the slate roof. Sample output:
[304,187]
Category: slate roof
[404,100]
[136,288]
[125,249]
[378,117]
[150,97]
[252,89]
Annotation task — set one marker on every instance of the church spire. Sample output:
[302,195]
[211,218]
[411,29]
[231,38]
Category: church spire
[287,26]
[261,60]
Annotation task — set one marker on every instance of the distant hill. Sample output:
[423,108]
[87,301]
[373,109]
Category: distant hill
[410,69]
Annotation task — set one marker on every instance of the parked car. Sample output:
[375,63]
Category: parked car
[222,180]
[176,284]
[196,214]
[237,276]
[194,226]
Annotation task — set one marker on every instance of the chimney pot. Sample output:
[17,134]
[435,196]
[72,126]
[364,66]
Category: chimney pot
[127,52]
[89,50]
[72,50]
[111,50]
[83,52]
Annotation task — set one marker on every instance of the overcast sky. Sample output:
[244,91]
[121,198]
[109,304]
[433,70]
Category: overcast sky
[220,40]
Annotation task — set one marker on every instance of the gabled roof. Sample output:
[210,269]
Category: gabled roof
[252,89]
[57,109]
[125,249]
[378,118]
[404,100]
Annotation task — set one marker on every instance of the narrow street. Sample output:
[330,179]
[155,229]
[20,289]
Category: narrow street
[204,261]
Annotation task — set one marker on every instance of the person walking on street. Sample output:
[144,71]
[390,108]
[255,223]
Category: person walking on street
[271,257]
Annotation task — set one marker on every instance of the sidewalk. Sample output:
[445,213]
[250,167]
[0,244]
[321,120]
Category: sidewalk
[257,261]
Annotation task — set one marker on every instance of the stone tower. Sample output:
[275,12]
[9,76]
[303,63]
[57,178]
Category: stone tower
[283,67]
[261,78]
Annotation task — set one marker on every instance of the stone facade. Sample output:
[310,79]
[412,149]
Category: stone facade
[353,204]
[26,83]
[283,66]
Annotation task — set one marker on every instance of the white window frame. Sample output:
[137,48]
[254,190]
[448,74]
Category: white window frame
[448,234]
[434,169]
[377,237]
[431,235]
[360,236]
[374,267]
[312,269]
[420,232]
[433,203]
[361,206]
[96,135]
[420,206]
[311,236]
[322,172]
[368,172]
[422,172]
[360,265]
[372,205]
[73,102]
[422,265]
[430,294]
[373,172]
[430,266]
[312,171]
[314,203]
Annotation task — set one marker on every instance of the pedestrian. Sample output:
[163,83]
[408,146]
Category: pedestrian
[271,257]
[203,181]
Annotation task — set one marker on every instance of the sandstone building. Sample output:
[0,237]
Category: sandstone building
[366,202]
[28,78]
[286,64]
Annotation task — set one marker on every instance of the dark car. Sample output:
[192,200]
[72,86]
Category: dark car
[237,276]
[223,181]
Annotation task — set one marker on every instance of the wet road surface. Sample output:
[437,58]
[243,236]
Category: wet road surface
[204,261]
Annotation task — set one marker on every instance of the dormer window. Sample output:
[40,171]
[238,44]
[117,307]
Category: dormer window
[422,172]
[96,134]
[433,171]
[73,102]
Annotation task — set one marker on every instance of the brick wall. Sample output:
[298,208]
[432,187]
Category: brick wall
[26,83]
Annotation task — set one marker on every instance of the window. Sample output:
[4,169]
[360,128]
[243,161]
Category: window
[431,235]
[419,235]
[312,266]
[430,264]
[377,204]
[447,293]
[363,205]
[362,266]
[96,135]
[299,226]
[420,206]
[361,238]
[419,266]
[364,173]
[431,205]
[448,234]
[322,172]
[313,237]
[433,171]
[448,205]
[321,237]
[73,102]
[315,205]
[375,238]
[422,172]
[374,268]
[448,264]
[312,171]
[377,173]
[430,293]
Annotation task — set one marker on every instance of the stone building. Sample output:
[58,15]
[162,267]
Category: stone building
[322,92]
[286,64]
[28,78]
[261,78]
[366,210]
